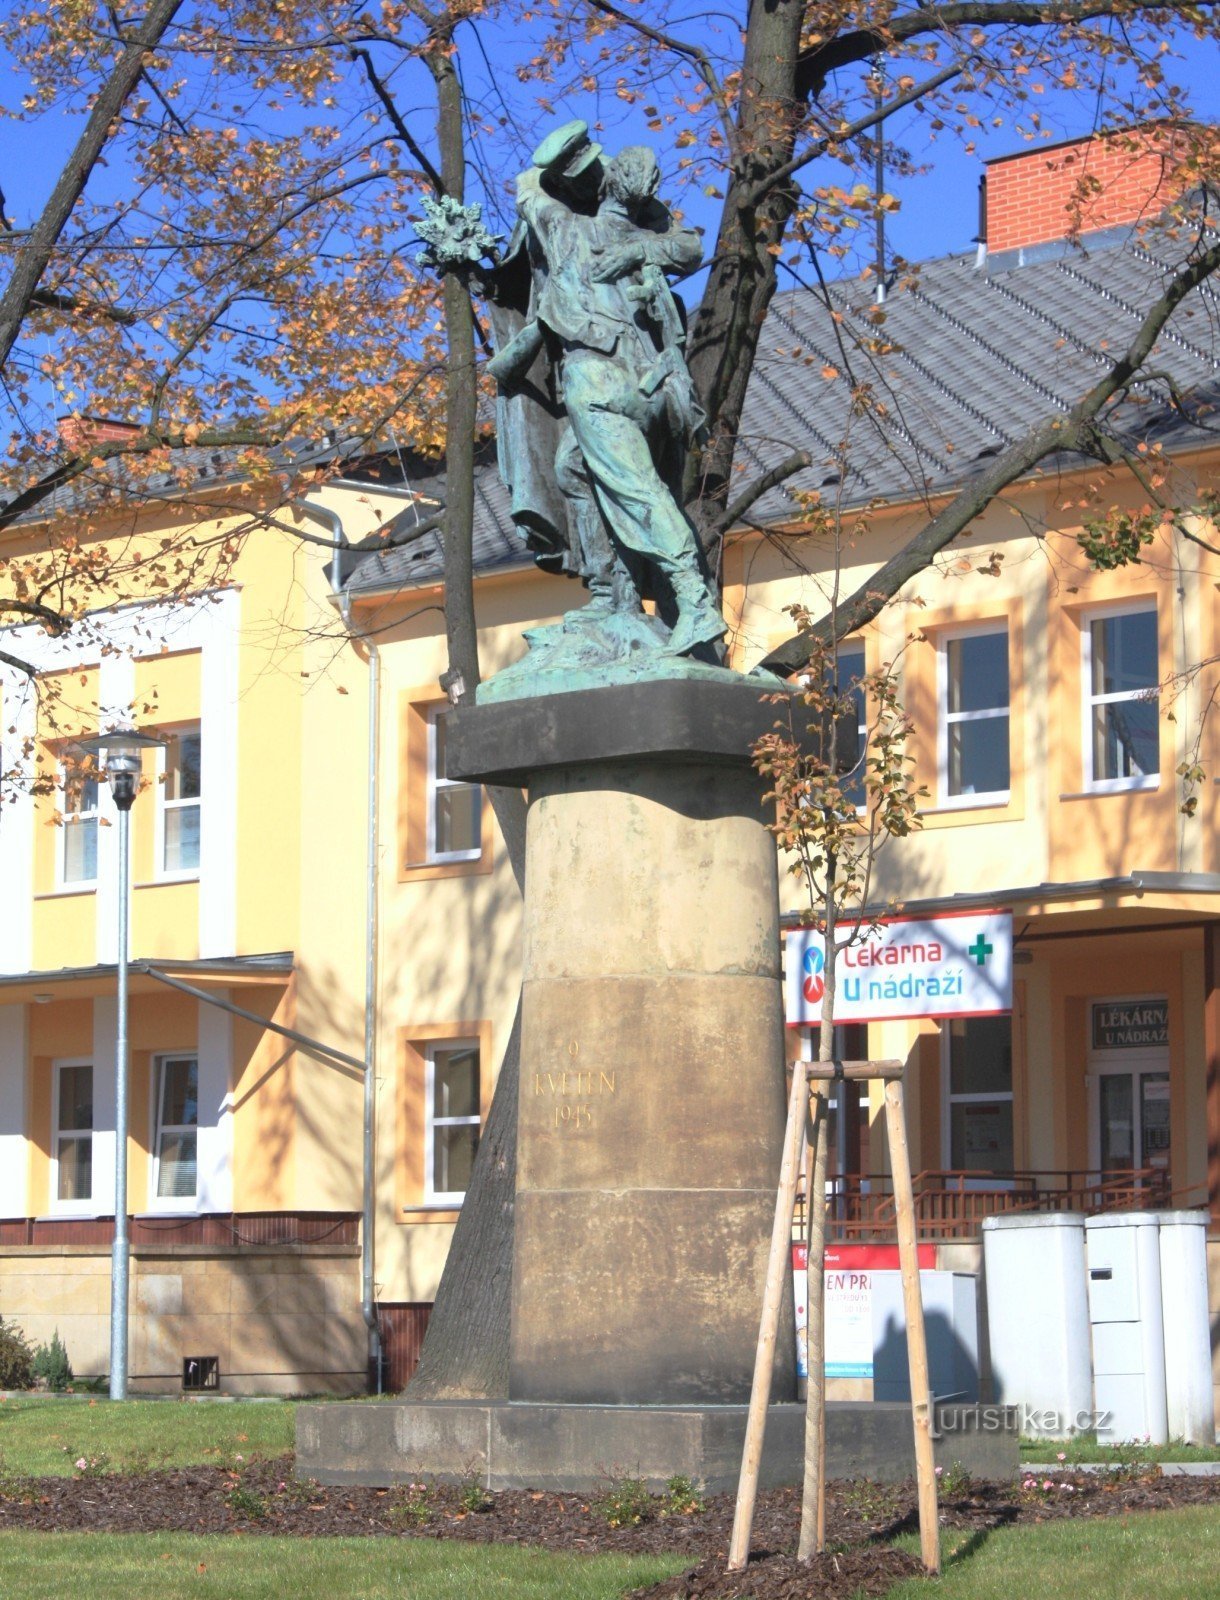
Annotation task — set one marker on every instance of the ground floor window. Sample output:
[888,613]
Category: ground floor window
[73,1132]
[177,1144]
[978,1102]
[451,1119]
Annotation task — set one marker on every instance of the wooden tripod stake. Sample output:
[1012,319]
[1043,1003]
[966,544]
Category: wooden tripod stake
[891,1072]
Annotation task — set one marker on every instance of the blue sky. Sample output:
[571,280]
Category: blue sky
[938,213]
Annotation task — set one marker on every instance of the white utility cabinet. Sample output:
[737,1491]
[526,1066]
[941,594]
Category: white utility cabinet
[1038,1320]
[1124,1261]
[1186,1324]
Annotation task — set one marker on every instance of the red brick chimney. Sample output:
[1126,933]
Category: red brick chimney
[1105,181]
[78,433]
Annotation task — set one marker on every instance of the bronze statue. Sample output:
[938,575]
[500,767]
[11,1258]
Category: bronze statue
[597,411]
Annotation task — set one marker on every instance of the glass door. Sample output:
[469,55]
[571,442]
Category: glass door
[1116,1095]
[1154,1120]
[1133,1118]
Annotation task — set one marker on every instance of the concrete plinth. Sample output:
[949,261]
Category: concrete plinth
[578,1448]
[651,1109]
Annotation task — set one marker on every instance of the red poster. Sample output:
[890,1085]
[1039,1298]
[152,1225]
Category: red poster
[874,1257]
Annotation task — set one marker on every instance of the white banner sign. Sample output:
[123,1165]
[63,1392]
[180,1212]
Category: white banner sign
[849,1324]
[952,966]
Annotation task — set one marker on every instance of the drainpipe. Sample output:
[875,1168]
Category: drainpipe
[368,1294]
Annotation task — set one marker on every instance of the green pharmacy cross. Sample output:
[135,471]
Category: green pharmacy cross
[980,950]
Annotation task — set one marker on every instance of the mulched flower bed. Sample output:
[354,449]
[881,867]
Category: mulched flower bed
[262,1497]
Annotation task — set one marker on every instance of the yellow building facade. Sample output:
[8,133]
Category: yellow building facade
[244,1199]
[314,902]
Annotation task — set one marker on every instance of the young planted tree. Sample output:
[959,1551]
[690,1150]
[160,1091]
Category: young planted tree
[834,812]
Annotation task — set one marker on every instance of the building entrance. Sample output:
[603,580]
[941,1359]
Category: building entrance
[1133,1117]
[1129,1084]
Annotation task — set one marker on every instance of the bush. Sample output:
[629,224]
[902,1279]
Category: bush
[626,1503]
[16,1358]
[51,1364]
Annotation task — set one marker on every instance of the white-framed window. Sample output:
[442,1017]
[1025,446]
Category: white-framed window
[451,1119]
[179,802]
[72,1153]
[974,716]
[851,669]
[77,856]
[176,1144]
[978,1103]
[455,810]
[1122,714]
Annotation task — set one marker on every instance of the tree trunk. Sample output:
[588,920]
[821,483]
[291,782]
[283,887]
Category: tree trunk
[728,323]
[465,1353]
[813,1492]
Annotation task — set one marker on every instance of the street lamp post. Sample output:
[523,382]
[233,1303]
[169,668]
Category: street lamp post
[119,755]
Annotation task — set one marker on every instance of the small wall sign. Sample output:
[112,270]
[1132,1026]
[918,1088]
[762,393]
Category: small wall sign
[1130,1024]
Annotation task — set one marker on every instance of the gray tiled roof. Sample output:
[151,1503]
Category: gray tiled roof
[978,356]
[496,541]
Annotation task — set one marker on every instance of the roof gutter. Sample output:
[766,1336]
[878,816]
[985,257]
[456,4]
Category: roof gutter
[1134,883]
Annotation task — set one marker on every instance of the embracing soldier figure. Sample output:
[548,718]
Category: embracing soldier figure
[602,331]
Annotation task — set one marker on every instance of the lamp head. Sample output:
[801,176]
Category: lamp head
[119,755]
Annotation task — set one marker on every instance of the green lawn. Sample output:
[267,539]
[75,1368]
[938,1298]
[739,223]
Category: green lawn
[1174,1555]
[47,1436]
[1085,1448]
[49,1566]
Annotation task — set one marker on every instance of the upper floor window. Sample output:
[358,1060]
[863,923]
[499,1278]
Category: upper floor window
[451,1119]
[73,1132]
[851,672]
[1121,709]
[455,809]
[177,1142]
[974,717]
[179,801]
[78,843]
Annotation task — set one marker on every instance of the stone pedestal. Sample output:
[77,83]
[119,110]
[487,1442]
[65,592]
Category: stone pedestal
[518,1445]
[652,1099]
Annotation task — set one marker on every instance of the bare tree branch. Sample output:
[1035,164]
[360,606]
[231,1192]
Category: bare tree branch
[26,668]
[680,47]
[852,130]
[396,119]
[860,44]
[52,620]
[106,450]
[34,257]
[796,462]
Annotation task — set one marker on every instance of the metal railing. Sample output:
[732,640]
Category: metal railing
[952,1204]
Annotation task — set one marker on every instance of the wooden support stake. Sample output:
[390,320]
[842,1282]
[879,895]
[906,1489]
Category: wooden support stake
[813,1493]
[779,1262]
[917,1343]
[853,1071]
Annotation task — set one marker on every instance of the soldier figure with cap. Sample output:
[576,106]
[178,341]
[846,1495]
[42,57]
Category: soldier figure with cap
[603,326]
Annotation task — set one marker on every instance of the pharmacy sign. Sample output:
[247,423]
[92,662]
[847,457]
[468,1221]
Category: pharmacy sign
[949,966]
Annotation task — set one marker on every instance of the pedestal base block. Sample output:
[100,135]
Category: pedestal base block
[522,1445]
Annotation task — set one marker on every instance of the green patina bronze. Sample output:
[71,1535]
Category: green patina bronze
[596,412]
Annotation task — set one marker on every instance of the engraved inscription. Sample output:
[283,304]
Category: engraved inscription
[572,1089]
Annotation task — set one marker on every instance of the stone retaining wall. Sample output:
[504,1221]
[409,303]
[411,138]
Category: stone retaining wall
[280,1319]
